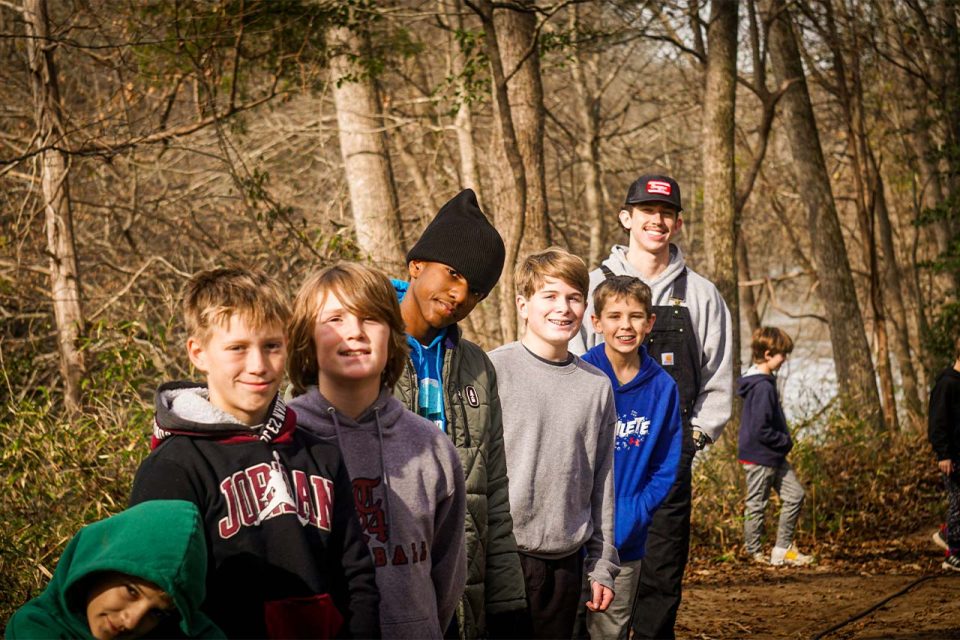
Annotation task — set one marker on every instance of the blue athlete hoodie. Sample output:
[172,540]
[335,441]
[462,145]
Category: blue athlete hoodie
[428,363]
[647,447]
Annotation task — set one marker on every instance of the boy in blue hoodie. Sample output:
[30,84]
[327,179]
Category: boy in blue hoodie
[764,444]
[648,437]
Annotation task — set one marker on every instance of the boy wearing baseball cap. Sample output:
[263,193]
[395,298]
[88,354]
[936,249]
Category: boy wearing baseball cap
[692,341]
[449,380]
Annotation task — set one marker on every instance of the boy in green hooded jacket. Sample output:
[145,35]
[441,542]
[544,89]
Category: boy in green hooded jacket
[140,573]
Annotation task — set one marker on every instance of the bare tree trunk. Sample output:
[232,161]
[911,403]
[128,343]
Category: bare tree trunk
[749,300]
[719,183]
[463,121]
[54,176]
[851,352]
[484,322]
[366,159]
[587,109]
[894,299]
[511,185]
[520,60]
[849,92]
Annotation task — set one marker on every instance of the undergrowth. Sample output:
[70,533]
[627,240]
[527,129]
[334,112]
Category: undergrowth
[861,486]
[59,472]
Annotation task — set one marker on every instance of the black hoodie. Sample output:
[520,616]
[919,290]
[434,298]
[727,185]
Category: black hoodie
[764,436]
[283,538]
[944,415]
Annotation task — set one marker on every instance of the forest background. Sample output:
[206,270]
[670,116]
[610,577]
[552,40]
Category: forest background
[817,144]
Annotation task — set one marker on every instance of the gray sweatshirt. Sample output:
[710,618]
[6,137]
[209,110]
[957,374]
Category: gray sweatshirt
[711,321]
[410,497]
[558,433]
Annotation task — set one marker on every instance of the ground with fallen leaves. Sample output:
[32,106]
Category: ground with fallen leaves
[737,598]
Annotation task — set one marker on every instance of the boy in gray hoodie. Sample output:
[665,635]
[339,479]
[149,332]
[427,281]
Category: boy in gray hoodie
[348,348]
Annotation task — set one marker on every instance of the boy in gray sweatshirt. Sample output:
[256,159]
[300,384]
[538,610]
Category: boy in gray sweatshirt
[348,348]
[558,428]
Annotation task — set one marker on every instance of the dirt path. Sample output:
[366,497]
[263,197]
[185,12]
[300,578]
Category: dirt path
[741,599]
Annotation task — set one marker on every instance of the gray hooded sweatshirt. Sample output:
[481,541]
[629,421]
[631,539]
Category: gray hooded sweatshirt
[410,497]
[711,321]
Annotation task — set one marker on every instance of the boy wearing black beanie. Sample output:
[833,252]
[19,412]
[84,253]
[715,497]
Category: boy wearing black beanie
[450,381]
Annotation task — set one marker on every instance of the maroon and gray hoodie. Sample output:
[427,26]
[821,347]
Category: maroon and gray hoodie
[410,496]
[287,558]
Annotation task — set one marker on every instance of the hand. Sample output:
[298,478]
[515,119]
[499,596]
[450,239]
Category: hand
[602,597]
[946,466]
[700,439]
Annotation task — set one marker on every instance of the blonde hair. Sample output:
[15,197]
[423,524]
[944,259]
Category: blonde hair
[552,262]
[212,297]
[364,291]
[772,339]
[619,287]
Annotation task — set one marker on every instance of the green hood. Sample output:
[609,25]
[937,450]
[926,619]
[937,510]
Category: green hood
[161,541]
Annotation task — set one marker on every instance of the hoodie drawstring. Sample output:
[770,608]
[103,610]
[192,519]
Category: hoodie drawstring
[383,467]
[383,470]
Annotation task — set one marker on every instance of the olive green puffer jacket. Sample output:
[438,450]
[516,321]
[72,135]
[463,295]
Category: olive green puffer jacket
[475,424]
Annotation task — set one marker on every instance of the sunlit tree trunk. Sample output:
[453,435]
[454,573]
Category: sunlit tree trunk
[366,160]
[587,110]
[516,39]
[54,177]
[510,181]
[851,352]
[719,182]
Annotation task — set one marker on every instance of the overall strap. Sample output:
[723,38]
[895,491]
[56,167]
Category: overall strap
[679,293]
[607,273]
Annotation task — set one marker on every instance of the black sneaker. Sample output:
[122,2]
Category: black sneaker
[951,562]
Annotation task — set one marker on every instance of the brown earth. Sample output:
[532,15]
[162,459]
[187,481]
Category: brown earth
[739,599]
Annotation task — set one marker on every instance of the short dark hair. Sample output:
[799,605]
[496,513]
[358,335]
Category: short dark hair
[617,287]
[772,339]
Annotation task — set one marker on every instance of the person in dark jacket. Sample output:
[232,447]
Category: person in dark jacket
[764,444]
[449,380]
[944,434]
[286,555]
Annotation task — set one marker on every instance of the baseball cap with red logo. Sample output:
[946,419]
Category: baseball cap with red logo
[654,188]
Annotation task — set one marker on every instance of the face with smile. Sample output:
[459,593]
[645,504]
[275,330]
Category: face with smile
[552,316]
[244,367]
[438,297]
[651,225]
[122,606]
[352,349]
[624,324]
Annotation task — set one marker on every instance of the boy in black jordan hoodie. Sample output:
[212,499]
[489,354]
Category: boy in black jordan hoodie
[286,554]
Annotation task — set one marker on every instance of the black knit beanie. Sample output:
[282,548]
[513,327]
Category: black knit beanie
[460,236]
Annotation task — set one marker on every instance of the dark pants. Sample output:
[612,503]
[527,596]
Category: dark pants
[553,591]
[952,484]
[668,543]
